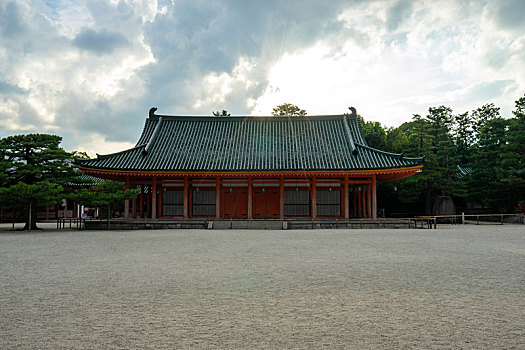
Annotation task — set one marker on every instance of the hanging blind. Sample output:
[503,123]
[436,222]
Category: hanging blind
[328,203]
[203,203]
[173,203]
[296,203]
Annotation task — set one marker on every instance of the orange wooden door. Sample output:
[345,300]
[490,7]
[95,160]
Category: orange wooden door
[272,203]
[259,203]
[266,203]
[234,203]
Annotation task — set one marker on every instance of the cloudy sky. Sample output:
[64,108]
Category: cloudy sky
[90,70]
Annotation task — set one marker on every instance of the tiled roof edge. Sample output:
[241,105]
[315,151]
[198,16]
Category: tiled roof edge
[349,134]
[240,117]
[153,137]
[102,156]
[398,155]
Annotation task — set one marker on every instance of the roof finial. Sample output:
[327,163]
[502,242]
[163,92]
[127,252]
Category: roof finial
[354,112]
[152,111]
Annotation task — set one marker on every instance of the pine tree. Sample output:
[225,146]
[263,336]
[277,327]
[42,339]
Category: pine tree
[36,166]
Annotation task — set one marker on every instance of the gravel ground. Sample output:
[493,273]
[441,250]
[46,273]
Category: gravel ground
[458,287]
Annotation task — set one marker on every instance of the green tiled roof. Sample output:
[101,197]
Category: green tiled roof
[463,171]
[179,143]
[85,181]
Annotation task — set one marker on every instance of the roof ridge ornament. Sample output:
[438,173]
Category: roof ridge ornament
[354,111]
[152,111]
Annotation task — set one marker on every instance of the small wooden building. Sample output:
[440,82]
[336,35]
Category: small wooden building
[252,168]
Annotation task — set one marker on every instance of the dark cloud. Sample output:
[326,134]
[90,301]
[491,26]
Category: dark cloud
[195,38]
[397,13]
[497,57]
[101,42]
[10,22]
[486,91]
[7,89]
[108,94]
[510,14]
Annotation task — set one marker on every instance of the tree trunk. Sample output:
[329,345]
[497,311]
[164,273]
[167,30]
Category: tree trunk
[428,205]
[31,218]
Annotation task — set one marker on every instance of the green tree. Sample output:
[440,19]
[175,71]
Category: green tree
[374,133]
[106,195]
[80,155]
[431,136]
[485,182]
[223,113]
[34,160]
[418,188]
[481,116]
[513,160]
[396,140]
[26,196]
[288,109]
[463,134]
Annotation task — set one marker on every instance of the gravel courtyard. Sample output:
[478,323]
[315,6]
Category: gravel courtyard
[460,287]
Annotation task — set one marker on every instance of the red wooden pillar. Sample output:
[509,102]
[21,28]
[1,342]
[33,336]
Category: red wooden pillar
[361,200]
[346,201]
[374,196]
[281,197]
[126,201]
[354,196]
[313,197]
[148,203]
[217,198]
[362,207]
[369,200]
[47,212]
[186,194]
[134,204]
[250,196]
[154,198]
[65,208]
[159,201]
[141,207]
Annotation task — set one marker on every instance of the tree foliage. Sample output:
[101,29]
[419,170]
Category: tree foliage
[492,146]
[288,109]
[106,195]
[223,113]
[36,166]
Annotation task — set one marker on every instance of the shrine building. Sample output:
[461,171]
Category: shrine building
[278,167]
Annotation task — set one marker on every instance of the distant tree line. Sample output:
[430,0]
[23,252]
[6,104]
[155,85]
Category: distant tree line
[489,149]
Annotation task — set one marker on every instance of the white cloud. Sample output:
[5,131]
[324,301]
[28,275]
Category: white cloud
[91,70]
[434,56]
[96,143]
